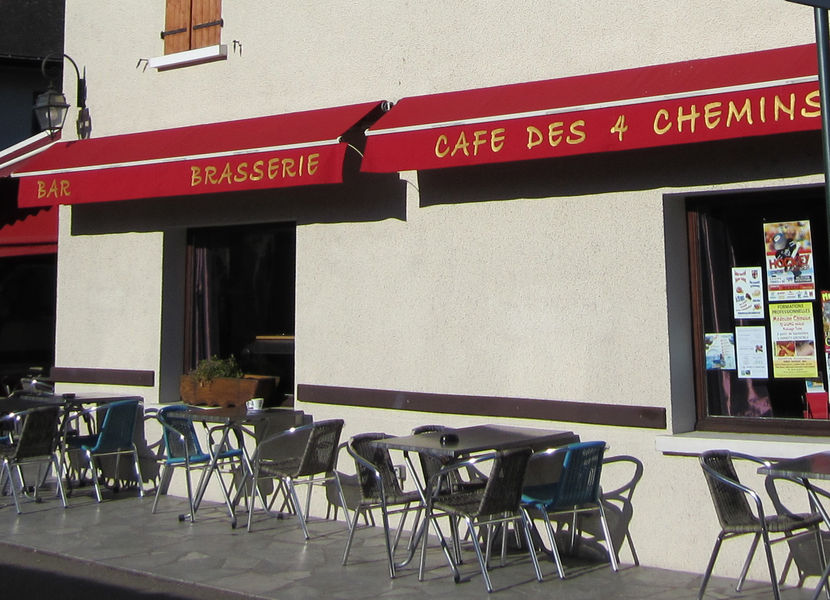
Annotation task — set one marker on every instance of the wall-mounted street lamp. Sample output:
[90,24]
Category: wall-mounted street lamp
[51,106]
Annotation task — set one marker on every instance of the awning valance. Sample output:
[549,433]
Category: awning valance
[32,234]
[758,93]
[302,148]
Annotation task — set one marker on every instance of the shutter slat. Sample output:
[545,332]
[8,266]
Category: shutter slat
[208,15]
[176,34]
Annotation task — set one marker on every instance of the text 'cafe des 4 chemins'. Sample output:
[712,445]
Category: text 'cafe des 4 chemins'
[757,265]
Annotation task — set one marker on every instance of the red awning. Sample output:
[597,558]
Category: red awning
[293,149]
[758,93]
[13,157]
[35,233]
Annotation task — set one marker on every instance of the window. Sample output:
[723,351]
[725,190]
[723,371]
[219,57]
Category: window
[240,298]
[769,233]
[191,24]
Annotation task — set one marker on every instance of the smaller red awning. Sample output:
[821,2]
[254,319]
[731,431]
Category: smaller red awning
[295,149]
[742,95]
[35,233]
[13,157]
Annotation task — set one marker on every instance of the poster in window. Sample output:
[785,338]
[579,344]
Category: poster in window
[751,348]
[789,261]
[720,351]
[747,293]
[793,340]
[825,319]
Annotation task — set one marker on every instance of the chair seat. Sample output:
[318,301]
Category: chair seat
[777,523]
[280,468]
[465,503]
[402,498]
[82,441]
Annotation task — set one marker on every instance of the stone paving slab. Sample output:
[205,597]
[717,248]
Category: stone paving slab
[121,540]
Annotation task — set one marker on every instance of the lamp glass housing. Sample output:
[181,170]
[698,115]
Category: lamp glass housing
[51,109]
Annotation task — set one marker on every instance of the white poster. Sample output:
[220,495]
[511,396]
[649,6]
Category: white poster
[751,348]
[747,293]
[720,351]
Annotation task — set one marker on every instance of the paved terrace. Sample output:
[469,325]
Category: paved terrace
[120,548]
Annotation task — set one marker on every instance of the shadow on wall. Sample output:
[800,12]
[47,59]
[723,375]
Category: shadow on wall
[767,157]
[362,198]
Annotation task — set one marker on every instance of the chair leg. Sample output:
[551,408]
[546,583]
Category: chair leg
[137,465]
[612,552]
[530,548]
[342,497]
[710,566]
[481,562]
[745,569]
[560,568]
[94,470]
[357,511]
[12,485]
[59,478]
[292,490]
[773,578]
[389,545]
[162,477]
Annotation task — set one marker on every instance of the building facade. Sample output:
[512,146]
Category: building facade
[542,230]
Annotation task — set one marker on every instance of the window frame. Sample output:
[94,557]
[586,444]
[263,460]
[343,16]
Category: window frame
[735,424]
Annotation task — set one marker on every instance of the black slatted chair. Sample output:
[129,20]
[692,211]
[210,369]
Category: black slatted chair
[315,466]
[738,517]
[498,505]
[37,443]
[380,489]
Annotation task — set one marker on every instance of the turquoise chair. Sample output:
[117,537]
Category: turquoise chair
[114,438]
[576,490]
[182,450]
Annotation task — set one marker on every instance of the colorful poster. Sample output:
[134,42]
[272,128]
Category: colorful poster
[720,350]
[793,340]
[825,319]
[751,348]
[789,261]
[747,293]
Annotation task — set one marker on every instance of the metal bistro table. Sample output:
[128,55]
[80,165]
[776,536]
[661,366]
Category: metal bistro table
[471,440]
[804,468]
[235,419]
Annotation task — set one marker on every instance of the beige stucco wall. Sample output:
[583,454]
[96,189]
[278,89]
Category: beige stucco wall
[543,297]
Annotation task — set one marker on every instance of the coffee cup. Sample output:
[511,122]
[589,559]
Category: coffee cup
[255,403]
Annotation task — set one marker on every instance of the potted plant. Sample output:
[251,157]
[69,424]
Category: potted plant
[220,382]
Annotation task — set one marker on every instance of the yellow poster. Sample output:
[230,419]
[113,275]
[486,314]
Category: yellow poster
[792,329]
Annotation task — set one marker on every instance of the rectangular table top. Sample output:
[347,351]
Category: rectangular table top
[20,401]
[480,438]
[241,415]
[812,466]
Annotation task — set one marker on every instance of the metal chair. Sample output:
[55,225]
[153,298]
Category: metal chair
[36,444]
[183,450]
[315,464]
[736,515]
[114,438]
[577,490]
[380,489]
[498,504]
[431,464]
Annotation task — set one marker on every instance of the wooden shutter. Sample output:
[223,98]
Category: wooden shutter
[176,32]
[206,23]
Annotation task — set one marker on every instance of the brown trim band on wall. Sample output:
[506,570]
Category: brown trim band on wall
[521,408]
[103,376]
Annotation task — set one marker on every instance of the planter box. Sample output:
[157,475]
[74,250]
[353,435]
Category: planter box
[228,391]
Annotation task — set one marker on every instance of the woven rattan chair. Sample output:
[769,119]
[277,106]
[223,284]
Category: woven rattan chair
[431,464]
[499,504]
[316,465]
[37,444]
[575,490]
[737,517]
[380,489]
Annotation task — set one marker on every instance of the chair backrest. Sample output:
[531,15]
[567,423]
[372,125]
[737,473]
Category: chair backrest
[503,492]
[39,435]
[174,417]
[579,482]
[731,504]
[430,465]
[320,452]
[117,430]
[379,457]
